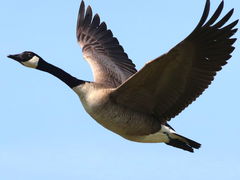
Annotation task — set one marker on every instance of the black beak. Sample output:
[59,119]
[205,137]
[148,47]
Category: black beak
[16,57]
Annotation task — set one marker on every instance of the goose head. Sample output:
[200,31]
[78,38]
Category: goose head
[27,58]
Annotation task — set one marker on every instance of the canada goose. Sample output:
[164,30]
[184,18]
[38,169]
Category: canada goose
[138,105]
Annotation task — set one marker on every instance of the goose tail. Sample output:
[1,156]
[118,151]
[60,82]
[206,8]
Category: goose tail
[182,142]
[177,140]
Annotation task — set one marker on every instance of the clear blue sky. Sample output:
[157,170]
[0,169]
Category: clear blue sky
[45,132]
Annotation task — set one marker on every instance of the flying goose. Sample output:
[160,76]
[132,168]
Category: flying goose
[138,104]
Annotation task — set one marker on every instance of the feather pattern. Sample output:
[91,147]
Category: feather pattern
[110,64]
[167,85]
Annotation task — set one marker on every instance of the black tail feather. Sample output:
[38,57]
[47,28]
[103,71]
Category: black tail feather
[183,143]
[179,144]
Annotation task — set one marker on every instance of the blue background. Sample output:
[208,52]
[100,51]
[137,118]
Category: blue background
[45,132]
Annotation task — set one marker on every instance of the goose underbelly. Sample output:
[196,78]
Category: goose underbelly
[115,117]
[123,121]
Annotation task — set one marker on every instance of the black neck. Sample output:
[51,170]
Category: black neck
[59,73]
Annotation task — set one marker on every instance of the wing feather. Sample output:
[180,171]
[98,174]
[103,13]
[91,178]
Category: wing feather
[110,64]
[167,85]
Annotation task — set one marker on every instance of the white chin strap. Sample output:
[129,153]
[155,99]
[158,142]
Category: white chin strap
[32,63]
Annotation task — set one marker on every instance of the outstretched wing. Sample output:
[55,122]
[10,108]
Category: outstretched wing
[168,84]
[110,64]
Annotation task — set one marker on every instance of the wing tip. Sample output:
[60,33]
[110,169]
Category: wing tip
[81,13]
[205,14]
[82,6]
[89,9]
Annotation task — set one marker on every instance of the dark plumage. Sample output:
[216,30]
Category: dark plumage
[190,67]
[95,39]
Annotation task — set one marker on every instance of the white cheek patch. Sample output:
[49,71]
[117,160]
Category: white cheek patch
[32,63]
